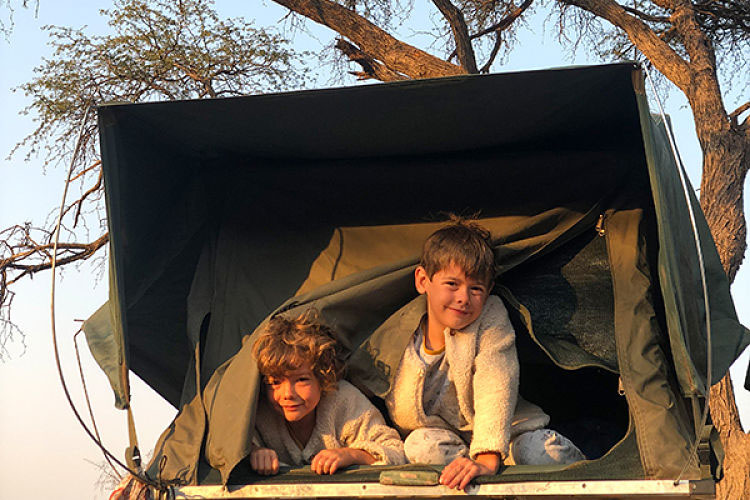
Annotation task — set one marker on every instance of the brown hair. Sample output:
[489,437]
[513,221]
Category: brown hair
[463,243]
[286,344]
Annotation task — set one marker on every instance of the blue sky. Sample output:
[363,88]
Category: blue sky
[37,429]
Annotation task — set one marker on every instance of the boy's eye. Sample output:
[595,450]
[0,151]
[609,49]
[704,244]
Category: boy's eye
[477,290]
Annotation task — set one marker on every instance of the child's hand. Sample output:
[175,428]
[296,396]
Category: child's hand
[264,461]
[329,461]
[462,470]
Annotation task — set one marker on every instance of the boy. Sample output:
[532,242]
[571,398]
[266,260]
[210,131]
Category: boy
[309,415]
[455,392]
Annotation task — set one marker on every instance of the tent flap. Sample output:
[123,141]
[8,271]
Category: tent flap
[106,350]
[679,270]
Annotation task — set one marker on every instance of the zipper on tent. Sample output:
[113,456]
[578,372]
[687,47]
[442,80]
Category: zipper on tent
[600,230]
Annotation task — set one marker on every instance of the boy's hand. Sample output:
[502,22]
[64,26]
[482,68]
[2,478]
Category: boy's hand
[264,461]
[462,470]
[329,461]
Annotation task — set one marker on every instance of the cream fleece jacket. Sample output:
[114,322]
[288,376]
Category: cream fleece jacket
[344,418]
[483,366]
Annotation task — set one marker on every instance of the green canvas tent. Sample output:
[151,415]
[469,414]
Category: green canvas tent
[222,212]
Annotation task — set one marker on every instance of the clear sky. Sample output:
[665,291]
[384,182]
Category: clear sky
[43,451]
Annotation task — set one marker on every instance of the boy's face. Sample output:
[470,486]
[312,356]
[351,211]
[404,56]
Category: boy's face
[295,394]
[454,300]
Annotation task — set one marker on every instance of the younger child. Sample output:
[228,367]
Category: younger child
[455,392]
[309,415]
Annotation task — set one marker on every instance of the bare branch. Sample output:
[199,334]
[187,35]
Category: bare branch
[507,21]
[500,26]
[370,67]
[645,17]
[457,23]
[73,252]
[86,170]
[493,53]
[661,55]
[79,203]
[734,116]
[737,112]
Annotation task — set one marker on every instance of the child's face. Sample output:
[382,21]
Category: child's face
[454,300]
[295,394]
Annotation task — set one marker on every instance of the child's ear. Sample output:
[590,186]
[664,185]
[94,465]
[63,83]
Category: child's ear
[421,279]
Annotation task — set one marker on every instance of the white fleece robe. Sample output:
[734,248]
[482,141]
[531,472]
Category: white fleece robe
[344,418]
[483,366]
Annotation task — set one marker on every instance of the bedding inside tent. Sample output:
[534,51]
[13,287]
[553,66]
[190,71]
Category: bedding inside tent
[226,211]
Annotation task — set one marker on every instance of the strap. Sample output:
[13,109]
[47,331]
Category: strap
[132,453]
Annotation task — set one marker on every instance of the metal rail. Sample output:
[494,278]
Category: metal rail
[630,489]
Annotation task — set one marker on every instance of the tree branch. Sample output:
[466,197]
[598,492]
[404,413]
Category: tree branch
[457,23]
[86,170]
[734,116]
[505,22]
[661,55]
[370,67]
[664,4]
[80,251]
[394,54]
[493,53]
[85,195]
[697,45]
[498,28]
[78,204]
[644,16]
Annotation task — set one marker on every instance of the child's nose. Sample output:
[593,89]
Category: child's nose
[287,390]
[462,294]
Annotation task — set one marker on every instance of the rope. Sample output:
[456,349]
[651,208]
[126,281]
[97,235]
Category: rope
[704,285]
[88,402]
[144,479]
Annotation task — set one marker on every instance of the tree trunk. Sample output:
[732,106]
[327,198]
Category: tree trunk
[726,159]
[725,162]
[736,443]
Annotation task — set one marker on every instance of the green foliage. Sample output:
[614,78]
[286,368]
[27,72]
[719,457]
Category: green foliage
[157,50]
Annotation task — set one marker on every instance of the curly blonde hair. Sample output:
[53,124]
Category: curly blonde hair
[464,243]
[286,344]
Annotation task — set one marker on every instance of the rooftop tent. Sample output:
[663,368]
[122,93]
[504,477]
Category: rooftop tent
[224,211]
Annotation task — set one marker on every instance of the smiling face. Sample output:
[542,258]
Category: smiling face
[295,393]
[454,300]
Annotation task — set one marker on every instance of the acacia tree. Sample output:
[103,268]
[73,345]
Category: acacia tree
[685,40]
[162,50]
[157,50]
